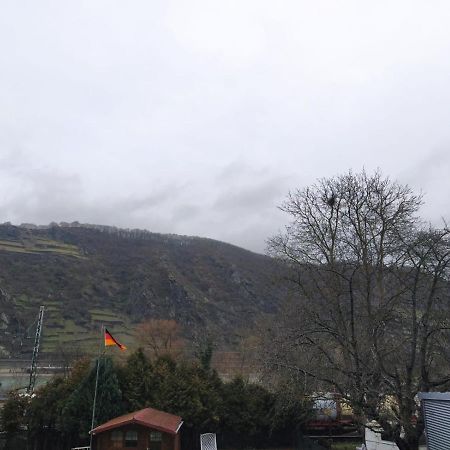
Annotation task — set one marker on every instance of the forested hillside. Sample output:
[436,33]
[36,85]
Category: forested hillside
[90,275]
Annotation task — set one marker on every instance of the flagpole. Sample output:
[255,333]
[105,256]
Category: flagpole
[96,387]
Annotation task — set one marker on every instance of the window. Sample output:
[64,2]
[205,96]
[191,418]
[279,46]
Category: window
[155,440]
[116,435]
[155,436]
[116,439]
[131,438]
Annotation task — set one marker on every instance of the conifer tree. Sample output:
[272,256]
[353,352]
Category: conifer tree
[137,381]
[78,410]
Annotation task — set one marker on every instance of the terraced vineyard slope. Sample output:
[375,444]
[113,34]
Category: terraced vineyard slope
[92,275]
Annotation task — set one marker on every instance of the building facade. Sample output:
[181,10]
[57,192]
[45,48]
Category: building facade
[147,429]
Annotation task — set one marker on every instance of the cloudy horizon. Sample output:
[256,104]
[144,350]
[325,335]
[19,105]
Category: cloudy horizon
[197,118]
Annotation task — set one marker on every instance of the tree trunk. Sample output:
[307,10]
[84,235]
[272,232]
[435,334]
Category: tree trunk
[407,443]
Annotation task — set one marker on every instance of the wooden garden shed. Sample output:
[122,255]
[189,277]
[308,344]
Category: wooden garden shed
[147,429]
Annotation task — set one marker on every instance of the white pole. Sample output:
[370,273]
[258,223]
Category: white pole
[95,392]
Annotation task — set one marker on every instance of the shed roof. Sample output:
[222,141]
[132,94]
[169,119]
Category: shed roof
[148,417]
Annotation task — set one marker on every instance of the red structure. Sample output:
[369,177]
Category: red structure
[147,429]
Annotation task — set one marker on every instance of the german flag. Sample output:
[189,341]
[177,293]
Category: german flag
[109,340]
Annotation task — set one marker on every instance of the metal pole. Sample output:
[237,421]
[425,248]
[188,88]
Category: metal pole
[96,388]
[37,342]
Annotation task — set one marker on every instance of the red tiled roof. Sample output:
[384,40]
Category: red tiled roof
[148,417]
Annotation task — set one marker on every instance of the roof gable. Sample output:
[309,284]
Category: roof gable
[148,417]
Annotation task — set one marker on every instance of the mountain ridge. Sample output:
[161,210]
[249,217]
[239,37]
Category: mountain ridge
[86,274]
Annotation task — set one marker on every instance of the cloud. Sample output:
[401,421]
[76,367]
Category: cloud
[427,176]
[255,194]
[198,117]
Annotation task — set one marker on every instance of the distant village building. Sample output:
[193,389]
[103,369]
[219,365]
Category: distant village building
[141,430]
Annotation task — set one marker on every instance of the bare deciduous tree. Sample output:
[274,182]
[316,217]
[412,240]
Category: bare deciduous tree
[370,315]
[161,337]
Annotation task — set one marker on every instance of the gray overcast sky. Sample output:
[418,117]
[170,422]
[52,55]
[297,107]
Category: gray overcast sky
[197,117]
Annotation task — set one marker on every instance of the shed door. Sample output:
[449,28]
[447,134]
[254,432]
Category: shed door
[155,440]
